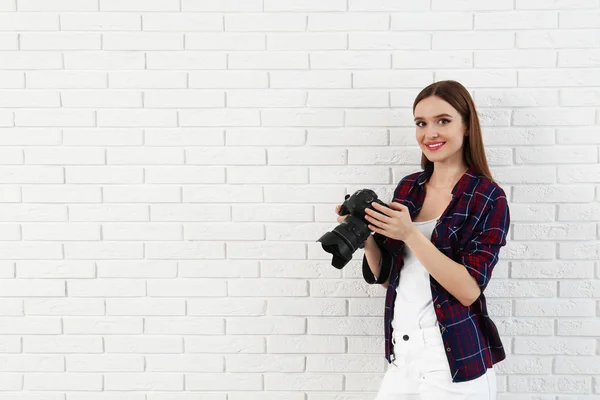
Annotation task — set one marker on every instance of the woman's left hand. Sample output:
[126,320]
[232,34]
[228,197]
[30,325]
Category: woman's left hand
[393,222]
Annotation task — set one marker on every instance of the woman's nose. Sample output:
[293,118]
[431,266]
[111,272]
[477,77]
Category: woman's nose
[431,132]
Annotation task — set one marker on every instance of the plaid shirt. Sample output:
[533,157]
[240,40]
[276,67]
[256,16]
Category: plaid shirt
[471,231]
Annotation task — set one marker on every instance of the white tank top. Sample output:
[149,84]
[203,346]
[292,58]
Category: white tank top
[413,307]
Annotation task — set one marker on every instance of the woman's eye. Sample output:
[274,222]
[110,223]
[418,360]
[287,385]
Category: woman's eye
[442,121]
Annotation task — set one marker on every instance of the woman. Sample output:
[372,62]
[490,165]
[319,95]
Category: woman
[434,250]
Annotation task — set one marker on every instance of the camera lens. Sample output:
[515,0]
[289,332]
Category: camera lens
[344,240]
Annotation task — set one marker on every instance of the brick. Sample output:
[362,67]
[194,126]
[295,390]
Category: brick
[559,78]
[310,80]
[62,344]
[64,307]
[578,58]
[228,79]
[265,363]
[143,41]
[63,382]
[584,250]
[347,136]
[347,22]
[139,5]
[31,363]
[553,194]
[226,307]
[267,288]
[344,363]
[186,60]
[190,174]
[143,381]
[554,232]
[349,60]
[265,136]
[302,117]
[304,5]
[268,60]
[354,175]
[265,22]
[232,344]
[579,97]
[517,20]
[428,59]
[20,60]
[423,21]
[219,117]
[391,79]
[472,40]
[387,5]
[552,270]
[59,41]
[304,382]
[555,4]
[59,5]
[266,326]
[225,41]
[577,174]
[182,22]
[266,98]
[100,21]
[222,5]
[305,344]
[548,346]
[143,344]
[224,381]
[390,41]
[309,306]
[184,363]
[554,308]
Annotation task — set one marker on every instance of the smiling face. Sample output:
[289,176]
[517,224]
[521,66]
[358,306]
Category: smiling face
[440,131]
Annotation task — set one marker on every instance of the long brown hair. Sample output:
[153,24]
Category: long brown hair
[459,97]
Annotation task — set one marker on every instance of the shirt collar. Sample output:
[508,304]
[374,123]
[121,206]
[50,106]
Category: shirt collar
[460,187]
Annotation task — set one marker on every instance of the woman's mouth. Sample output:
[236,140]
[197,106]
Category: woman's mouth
[434,147]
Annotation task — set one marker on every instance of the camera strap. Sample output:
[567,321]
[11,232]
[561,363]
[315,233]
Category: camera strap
[385,267]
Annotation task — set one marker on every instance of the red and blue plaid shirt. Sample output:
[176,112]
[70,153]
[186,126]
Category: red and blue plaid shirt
[471,231]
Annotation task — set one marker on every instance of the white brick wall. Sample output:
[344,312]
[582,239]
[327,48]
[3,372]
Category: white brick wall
[166,167]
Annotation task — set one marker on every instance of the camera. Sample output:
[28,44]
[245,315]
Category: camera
[352,233]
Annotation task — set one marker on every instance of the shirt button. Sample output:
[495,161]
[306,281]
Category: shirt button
[448,349]
[438,306]
[443,329]
[405,337]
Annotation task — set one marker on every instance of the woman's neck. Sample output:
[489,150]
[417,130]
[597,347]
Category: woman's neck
[446,177]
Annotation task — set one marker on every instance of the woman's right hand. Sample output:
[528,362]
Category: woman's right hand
[340,218]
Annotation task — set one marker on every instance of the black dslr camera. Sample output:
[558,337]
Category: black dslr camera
[352,233]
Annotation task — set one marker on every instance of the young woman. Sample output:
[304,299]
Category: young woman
[434,251]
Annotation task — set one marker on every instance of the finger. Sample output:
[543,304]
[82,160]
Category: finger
[376,222]
[398,206]
[384,210]
[377,230]
[379,216]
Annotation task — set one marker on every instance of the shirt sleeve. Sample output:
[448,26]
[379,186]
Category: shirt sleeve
[480,254]
[385,264]
[391,256]
[390,250]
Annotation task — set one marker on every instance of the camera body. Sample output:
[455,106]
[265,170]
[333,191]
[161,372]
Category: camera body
[352,233]
[357,204]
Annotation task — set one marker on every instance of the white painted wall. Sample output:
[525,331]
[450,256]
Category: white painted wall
[167,166]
